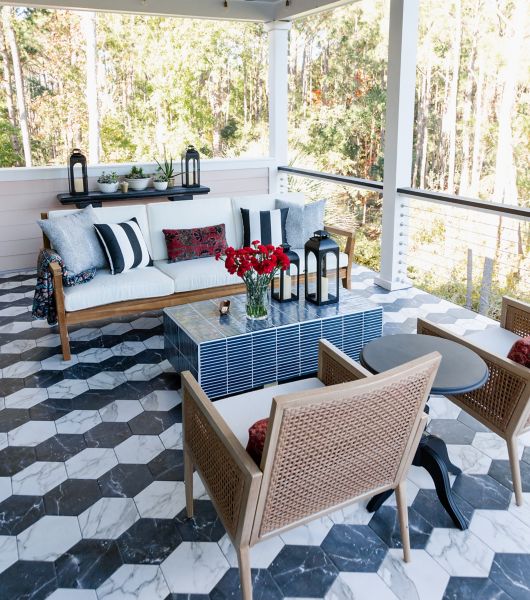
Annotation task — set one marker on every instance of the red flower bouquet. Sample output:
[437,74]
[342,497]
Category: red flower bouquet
[256,264]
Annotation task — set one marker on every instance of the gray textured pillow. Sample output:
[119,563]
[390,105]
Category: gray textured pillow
[302,221]
[74,238]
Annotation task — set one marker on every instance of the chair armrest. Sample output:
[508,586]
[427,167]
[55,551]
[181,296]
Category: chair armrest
[336,367]
[515,316]
[348,232]
[57,275]
[230,476]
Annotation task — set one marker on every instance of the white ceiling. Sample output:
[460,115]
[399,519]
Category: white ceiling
[240,10]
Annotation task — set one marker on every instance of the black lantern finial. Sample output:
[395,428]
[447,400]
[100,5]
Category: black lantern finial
[286,293]
[320,245]
[78,182]
[190,166]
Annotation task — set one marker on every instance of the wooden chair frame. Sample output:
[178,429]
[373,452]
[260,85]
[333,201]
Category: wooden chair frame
[252,502]
[66,318]
[503,404]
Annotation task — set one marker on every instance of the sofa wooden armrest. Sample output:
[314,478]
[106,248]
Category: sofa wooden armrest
[58,291]
[515,316]
[349,234]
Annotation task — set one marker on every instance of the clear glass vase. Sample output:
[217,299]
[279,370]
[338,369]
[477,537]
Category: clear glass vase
[257,300]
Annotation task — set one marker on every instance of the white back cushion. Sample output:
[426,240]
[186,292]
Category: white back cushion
[186,214]
[116,214]
[258,202]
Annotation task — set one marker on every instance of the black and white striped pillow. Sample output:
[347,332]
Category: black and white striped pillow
[267,226]
[124,245]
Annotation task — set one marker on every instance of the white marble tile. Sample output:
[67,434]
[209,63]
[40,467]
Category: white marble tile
[121,411]
[116,328]
[106,380]
[261,555]
[108,518]
[501,530]
[39,478]
[469,459]
[139,449]
[3,439]
[460,553]
[172,437]
[15,327]
[419,477]
[94,355]
[57,362]
[355,514]
[21,369]
[9,285]
[161,400]
[91,463]
[412,492]
[86,334]
[31,433]
[5,488]
[26,398]
[72,594]
[48,538]
[18,346]
[143,372]
[49,341]
[146,323]
[161,499]
[194,567]
[13,297]
[359,586]
[442,408]
[421,579]
[128,348]
[137,582]
[13,311]
[8,551]
[167,367]
[310,534]
[495,447]
[155,343]
[78,421]
[521,512]
[40,324]
[68,388]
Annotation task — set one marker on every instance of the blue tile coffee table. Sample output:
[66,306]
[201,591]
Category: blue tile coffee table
[232,354]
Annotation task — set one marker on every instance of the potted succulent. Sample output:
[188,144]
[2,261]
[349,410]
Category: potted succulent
[166,168]
[160,181]
[108,182]
[137,179]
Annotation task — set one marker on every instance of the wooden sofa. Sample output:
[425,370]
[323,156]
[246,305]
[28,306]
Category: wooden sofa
[168,284]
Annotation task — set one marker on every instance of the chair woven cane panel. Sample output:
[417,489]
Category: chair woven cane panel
[518,321]
[340,449]
[219,470]
[497,399]
[334,373]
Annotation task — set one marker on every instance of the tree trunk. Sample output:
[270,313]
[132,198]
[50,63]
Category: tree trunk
[88,26]
[7,14]
[8,90]
[453,96]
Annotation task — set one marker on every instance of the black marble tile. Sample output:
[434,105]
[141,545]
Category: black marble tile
[429,507]
[19,512]
[125,481]
[152,422]
[205,526]
[15,458]
[72,497]
[60,447]
[526,455]
[107,435]
[482,491]
[93,399]
[500,470]
[132,390]
[354,548]
[149,541]
[118,363]
[38,353]
[187,597]
[471,422]
[27,580]
[44,411]
[303,571]
[11,418]
[88,564]
[150,357]
[452,431]
[7,360]
[385,523]
[166,381]
[511,572]
[263,586]
[43,379]
[168,466]
[477,588]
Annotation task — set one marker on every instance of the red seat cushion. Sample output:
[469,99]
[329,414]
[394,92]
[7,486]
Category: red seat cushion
[256,439]
[199,242]
[520,352]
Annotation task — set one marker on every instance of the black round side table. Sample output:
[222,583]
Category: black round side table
[461,370]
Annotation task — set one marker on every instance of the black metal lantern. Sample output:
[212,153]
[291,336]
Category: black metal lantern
[78,181]
[190,167]
[286,293]
[320,245]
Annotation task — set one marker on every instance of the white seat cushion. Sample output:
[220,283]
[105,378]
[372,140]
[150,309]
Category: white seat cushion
[240,412]
[197,274]
[496,340]
[147,282]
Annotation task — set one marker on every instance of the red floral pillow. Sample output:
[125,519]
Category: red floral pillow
[199,242]
[520,352]
[256,439]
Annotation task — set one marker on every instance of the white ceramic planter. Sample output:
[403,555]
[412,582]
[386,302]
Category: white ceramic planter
[160,185]
[108,188]
[138,184]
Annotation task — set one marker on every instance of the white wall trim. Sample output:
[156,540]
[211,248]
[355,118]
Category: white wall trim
[207,165]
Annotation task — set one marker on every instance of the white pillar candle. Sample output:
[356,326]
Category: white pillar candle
[286,292]
[78,185]
[324,288]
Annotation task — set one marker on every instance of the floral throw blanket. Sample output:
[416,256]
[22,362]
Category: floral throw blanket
[44,301]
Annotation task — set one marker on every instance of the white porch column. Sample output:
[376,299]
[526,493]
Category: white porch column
[401,86]
[278,100]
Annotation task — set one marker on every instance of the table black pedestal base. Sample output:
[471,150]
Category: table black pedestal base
[432,456]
